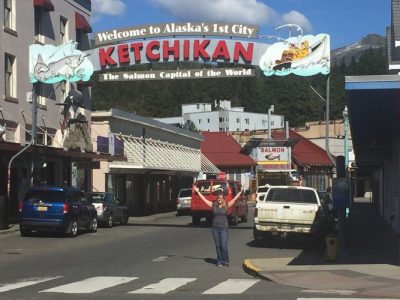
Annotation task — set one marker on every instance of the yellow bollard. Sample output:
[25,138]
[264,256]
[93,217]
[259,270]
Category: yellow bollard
[331,247]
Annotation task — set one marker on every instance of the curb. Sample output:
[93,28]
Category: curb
[252,269]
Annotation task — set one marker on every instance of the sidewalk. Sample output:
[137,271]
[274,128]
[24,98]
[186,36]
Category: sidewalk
[369,267]
[14,227]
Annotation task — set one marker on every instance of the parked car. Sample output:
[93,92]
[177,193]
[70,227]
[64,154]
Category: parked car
[109,210]
[63,209]
[183,201]
[210,188]
[261,192]
[289,210]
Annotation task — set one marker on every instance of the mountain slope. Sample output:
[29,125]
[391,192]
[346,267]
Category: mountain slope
[371,41]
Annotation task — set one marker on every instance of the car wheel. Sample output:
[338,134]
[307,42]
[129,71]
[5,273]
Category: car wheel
[25,231]
[195,220]
[234,220]
[110,221]
[245,217]
[72,230]
[124,219]
[93,224]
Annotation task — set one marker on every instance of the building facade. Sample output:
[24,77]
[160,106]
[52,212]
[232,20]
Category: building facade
[46,160]
[161,159]
[224,117]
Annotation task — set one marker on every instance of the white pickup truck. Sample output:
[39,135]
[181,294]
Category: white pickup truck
[288,210]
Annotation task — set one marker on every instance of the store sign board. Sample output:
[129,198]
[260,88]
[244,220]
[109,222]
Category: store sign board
[273,157]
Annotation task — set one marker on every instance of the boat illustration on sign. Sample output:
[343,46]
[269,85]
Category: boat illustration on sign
[301,55]
[50,64]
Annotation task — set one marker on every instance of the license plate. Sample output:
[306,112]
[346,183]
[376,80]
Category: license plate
[42,208]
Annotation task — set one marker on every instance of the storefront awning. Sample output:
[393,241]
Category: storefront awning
[157,155]
[81,23]
[46,4]
[374,113]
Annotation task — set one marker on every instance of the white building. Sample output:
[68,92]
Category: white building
[224,117]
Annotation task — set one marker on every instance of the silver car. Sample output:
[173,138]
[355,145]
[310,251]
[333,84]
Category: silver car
[183,201]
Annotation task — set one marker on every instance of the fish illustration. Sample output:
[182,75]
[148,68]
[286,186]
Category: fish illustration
[67,67]
[271,156]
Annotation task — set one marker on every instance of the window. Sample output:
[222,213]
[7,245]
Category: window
[208,120]
[199,121]
[63,30]
[237,120]
[264,122]
[10,78]
[247,121]
[38,23]
[221,120]
[8,14]
[272,123]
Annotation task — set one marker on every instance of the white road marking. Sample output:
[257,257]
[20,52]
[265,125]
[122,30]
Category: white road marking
[25,282]
[164,286]
[161,258]
[90,285]
[232,286]
[345,299]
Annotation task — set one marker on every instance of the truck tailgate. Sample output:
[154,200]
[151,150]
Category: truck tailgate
[289,213]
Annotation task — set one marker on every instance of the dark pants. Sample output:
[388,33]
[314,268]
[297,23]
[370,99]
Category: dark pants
[221,244]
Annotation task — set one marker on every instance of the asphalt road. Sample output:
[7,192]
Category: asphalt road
[165,258]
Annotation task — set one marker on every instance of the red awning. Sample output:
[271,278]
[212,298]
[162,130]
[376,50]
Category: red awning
[81,23]
[46,4]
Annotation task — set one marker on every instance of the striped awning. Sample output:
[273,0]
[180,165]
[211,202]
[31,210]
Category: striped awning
[157,155]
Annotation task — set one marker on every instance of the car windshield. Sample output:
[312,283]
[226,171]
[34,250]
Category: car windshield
[92,198]
[49,196]
[185,193]
[291,195]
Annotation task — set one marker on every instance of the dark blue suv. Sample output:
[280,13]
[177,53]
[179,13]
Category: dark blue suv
[63,209]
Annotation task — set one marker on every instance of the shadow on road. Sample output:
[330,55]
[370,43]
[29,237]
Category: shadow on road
[368,240]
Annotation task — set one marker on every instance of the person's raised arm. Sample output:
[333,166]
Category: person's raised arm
[232,202]
[207,202]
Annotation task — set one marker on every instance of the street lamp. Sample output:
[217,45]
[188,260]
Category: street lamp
[270,110]
[346,126]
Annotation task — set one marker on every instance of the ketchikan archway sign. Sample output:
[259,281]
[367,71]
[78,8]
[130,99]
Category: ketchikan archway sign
[209,44]
[204,43]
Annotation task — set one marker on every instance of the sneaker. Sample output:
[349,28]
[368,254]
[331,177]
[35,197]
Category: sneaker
[219,264]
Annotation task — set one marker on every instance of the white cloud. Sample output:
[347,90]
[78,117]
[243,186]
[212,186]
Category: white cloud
[107,7]
[243,11]
[297,18]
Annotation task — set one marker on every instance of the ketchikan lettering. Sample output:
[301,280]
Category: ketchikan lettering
[177,50]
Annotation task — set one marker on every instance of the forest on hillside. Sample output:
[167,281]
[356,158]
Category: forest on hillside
[291,95]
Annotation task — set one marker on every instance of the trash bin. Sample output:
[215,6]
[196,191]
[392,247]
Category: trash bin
[3,212]
[331,248]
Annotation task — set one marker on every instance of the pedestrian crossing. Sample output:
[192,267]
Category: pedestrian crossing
[101,283]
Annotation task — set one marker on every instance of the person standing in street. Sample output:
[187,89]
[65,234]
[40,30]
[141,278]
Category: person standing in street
[220,224]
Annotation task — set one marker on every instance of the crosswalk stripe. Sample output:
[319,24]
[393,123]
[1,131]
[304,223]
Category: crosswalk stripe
[232,286]
[90,285]
[24,283]
[164,286]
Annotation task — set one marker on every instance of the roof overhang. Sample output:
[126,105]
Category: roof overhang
[81,23]
[13,148]
[374,112]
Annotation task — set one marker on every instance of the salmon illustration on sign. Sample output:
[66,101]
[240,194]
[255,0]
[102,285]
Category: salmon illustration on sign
[51,64]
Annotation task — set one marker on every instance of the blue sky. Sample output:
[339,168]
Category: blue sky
[346,21]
